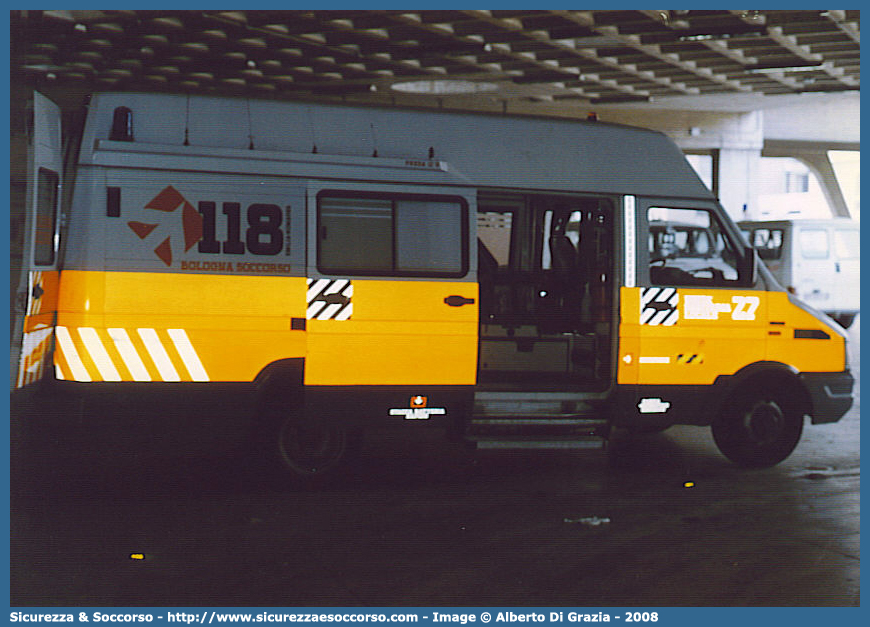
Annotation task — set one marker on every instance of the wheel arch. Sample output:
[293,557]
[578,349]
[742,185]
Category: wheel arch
[291,370]
[296,448]
[761,415]
[278,383]
[771,373]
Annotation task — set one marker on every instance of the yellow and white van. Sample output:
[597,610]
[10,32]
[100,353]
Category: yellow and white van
[203,268]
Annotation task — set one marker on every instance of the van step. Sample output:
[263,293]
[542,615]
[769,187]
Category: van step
[519,442]
[538,406]
[537,433]
[536,421]
[546,420]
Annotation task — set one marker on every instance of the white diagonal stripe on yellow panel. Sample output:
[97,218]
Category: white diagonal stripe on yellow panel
[128,353]
[109,367]
[33,350]
[33,339]
[73,360]
[98,353]
[188,354]
[158,355]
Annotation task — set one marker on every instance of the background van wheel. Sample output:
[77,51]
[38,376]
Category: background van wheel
[760,428]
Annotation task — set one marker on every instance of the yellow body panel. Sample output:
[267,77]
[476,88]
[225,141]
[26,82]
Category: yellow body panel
[806,355]
[717,332]
[400,333]
[126,326]
[629,337]
[133,326]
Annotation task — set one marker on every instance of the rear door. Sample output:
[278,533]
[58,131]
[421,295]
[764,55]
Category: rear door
[815,275]
[36,296]
[847,248]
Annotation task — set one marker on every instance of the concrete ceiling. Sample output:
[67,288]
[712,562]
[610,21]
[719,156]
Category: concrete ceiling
[547,62]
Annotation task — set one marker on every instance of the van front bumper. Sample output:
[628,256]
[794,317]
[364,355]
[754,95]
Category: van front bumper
[831,394]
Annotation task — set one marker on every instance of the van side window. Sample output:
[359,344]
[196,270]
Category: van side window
[689,247]
[814,243]
[44,245]
[393,235]
[768,243]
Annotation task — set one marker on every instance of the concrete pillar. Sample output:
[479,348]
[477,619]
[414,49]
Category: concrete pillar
[738,180]
[820,164]
[735,140]
[815,156]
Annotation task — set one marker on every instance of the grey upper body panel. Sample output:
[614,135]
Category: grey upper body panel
[480,150]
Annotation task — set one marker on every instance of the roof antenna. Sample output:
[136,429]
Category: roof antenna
[187,122]
[313,127]
[250,126]
[374,139]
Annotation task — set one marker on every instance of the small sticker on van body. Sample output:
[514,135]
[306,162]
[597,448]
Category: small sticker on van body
[330,299]
[659,306]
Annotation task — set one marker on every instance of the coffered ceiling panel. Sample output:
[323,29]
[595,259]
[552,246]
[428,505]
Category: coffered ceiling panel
[502,58]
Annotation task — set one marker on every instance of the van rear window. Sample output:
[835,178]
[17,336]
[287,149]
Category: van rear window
[392,235]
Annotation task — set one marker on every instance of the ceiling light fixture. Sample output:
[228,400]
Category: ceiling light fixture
[443,87]
[624,98]
[775,69]
[715,36]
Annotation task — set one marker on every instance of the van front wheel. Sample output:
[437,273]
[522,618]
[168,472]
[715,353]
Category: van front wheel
[760,428]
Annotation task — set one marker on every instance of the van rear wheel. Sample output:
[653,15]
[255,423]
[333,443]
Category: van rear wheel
[310,449]
[306,453]
[761,427]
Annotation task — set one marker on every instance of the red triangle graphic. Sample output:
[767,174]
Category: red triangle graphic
[167,200]
[141,229]
[164,251]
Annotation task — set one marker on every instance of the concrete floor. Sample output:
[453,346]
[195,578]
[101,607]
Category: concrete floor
[424,523]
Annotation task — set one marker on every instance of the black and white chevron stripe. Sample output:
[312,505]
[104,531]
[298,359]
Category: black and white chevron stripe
[659,306]
[330,299]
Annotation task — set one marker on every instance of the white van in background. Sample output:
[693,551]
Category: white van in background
[817,260]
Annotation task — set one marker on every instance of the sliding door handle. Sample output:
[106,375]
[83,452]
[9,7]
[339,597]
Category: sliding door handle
[458,301]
